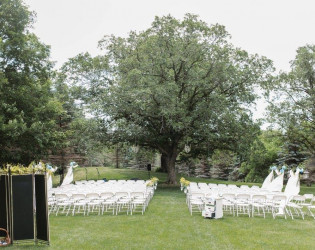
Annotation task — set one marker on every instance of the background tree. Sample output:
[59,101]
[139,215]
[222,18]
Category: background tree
[263,153]
[223,162]
[177,82]
[78,80]
[28,110]
[293,106]
[291,154]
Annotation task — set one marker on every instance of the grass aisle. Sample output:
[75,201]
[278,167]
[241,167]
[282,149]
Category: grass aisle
[167,224]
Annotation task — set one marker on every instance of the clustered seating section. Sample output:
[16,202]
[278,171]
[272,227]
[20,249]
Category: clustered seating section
[100,197]
[250,201]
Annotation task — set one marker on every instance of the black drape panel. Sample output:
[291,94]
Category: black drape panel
[3,203]
[41,208]
[23,204]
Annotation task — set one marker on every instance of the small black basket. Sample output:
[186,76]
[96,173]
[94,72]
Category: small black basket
[5,241]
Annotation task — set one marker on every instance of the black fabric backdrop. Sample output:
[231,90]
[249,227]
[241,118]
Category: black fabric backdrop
[41,208]
[3,204]
[22,201]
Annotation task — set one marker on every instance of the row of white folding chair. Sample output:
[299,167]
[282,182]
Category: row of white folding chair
[148,192]
[243,203]
[99,191]
[128,201]
[109,181]
[248,191]
[106,184]
[79,182]
[277,205]
[87,187]
[126,181]
[221,185]
[233,186]
[203,185]
[82,203]
[220,192]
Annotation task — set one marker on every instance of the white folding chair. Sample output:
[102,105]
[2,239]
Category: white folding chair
[196,202]
[222,186]
[254,187]
[258,204]
[123,202]
[212,185]
[138,200]
[308,200]
[79,204]
[51,204]
[108,201]
[228,202]
[242,203]
[63,203]
[311,207]
[295,205]
[94,203]
[278,207]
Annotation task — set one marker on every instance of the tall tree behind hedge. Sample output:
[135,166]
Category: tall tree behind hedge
[28,111]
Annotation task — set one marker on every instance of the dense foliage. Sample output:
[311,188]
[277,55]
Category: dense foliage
[293,109]
[28,110]
[177,83]
[262,154]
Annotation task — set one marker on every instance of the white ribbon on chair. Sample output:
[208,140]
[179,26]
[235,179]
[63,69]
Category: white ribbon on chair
[293,185]
[69,176]
[268,180]
[49,176]
[49,182]
[277,184]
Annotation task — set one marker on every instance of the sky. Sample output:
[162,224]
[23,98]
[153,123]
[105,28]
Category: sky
[271,28]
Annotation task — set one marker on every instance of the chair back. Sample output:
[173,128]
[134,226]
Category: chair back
[92,196]
[259,198]
[243,196]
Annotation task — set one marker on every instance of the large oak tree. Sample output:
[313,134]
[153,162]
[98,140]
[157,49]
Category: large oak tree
[176,83]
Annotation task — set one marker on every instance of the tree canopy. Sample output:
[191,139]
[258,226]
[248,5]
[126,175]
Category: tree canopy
[176,83]
[293,106]
[28,111]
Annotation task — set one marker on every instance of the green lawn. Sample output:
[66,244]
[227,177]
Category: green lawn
[167,224]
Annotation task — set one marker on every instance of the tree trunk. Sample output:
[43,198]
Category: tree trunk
[164,162]
[170,159]
[311,168]
[63,166]
[117,156]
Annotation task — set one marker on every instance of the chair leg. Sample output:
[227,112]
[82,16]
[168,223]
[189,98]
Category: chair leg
[310,212]
[264,212]
[58,207]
